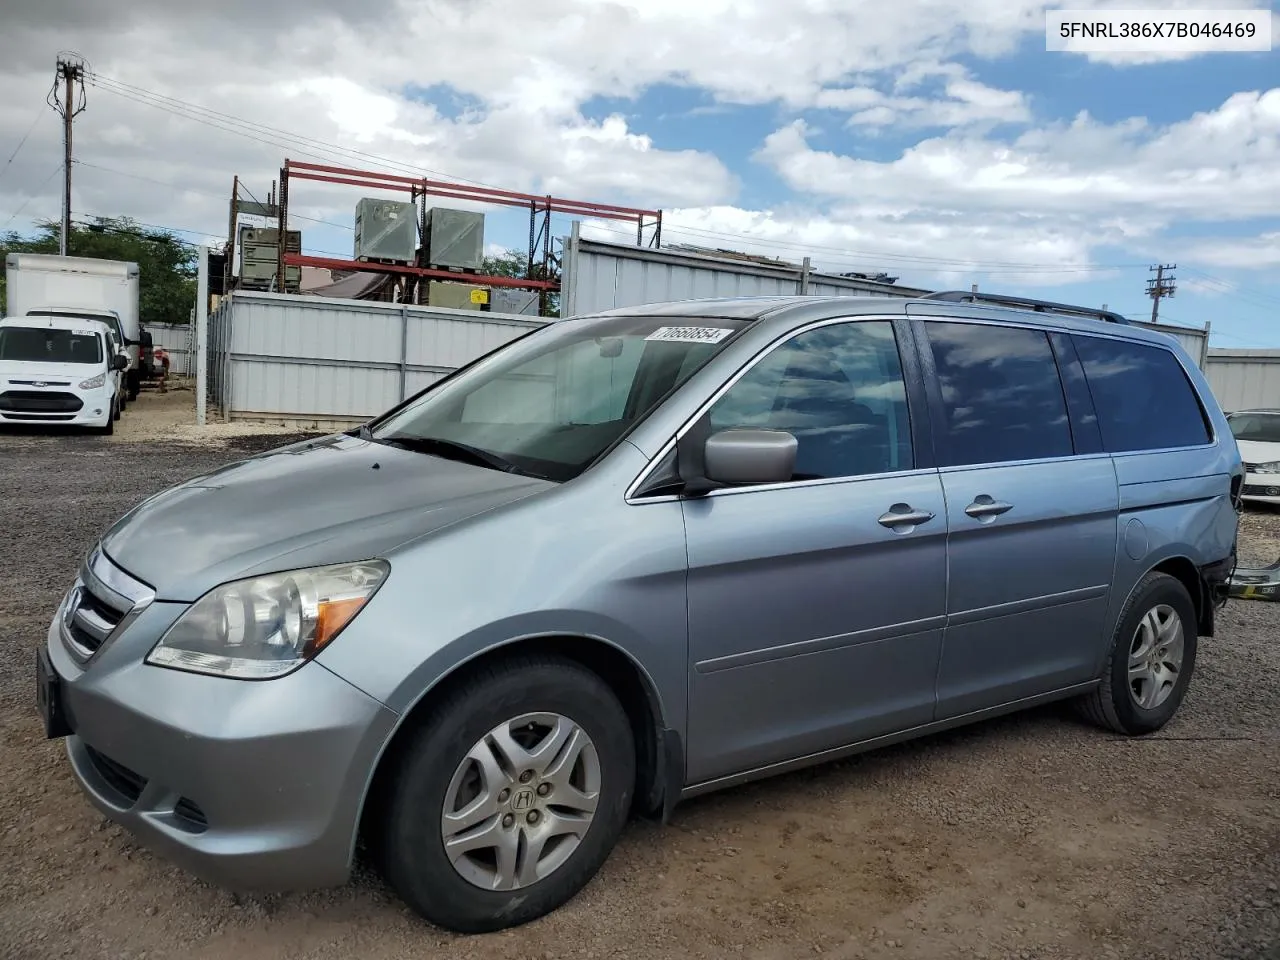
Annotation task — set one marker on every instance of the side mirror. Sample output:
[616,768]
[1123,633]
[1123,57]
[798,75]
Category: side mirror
[749,455]
[120,362]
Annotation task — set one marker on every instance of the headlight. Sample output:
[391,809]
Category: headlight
[1272,467]
[265,627]
[93,383]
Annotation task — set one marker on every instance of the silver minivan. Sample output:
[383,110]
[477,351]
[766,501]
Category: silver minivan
[633,557]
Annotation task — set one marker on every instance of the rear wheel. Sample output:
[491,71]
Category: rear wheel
[509,797]
[1153,656]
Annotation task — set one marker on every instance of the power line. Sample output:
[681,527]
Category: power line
[275,137]
[174,230]
[22,142]
[206,193]
[1258,298]
[261,132]
[53,173]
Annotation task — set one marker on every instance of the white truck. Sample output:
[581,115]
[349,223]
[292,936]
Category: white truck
[47,285]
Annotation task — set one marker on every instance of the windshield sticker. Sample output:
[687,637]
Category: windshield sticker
[85,333]
[690,334]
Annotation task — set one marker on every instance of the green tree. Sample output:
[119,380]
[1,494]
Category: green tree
[514,263]
[166,265]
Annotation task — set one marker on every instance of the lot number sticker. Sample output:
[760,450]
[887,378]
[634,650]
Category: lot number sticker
[690,334]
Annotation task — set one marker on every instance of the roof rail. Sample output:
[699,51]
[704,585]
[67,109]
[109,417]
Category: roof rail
[1024,303]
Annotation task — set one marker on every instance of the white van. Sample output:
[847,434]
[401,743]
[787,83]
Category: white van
[60,370]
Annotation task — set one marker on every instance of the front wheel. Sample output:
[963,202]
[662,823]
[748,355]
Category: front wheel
[1153,654]
[509,797]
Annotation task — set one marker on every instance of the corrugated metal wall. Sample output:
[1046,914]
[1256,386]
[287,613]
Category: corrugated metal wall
[603,276]
[178,339]
[293,358]
[1245,379]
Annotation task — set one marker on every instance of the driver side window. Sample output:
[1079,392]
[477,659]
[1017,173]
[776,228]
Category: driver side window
[839,390]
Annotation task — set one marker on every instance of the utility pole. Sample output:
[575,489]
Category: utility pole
[228,270]
[68,99]
[1162,286]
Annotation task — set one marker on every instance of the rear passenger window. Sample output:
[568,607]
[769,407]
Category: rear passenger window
[1001,394]
[1143,397]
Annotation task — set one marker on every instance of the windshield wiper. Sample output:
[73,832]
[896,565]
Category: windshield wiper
[450,450]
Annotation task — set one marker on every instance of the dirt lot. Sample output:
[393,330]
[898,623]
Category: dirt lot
[1032,837]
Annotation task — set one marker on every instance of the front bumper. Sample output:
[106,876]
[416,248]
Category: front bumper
[251,785]
[1261,488]
[95,410]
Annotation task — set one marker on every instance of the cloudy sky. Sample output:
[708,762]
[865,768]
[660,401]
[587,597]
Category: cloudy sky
[934,139]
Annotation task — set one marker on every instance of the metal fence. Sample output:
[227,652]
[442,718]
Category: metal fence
[179,340]
[1245,379]
[603,276]
[320,362]
[325,363]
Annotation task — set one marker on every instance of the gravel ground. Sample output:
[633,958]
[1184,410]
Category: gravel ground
[1028,837]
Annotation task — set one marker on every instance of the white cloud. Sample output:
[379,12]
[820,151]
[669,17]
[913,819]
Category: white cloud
[1249,253]
[1219,165]
[965,101]
[339,73]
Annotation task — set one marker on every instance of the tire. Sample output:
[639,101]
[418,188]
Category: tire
[108,429]
[1115,704]
[409,841]
[118,409]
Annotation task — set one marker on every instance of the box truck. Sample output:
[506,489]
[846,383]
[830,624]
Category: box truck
[41,284]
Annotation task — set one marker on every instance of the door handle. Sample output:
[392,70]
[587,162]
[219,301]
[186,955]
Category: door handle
[985,508]
[902,515]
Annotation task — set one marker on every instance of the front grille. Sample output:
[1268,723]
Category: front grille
[90,619]
[10,415]
[1258,490]
[103,601]
[119,777]
[39,401]
[46,383]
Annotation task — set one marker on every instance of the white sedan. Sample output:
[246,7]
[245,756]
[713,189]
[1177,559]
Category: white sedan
[1257,434]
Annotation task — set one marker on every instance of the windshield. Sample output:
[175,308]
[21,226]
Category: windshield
[552,402]
[110,319]
[50,346]
[1256,426]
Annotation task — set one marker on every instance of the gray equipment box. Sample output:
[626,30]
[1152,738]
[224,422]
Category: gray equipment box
[456,296]
[511,300]
[386,230]
[455,239]
[259,252]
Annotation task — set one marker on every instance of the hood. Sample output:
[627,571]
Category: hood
[28,370]
[323,501]
[1258,451]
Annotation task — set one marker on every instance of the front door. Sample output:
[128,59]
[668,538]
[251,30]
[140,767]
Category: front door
[1031,509]
[816,607]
